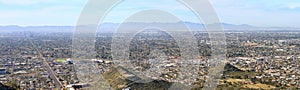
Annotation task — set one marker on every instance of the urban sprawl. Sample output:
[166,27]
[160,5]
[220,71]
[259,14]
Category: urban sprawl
[254,60]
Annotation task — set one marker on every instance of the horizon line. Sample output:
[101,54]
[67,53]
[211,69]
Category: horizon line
[222,23]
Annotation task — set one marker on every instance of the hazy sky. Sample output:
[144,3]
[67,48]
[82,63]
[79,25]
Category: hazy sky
[66,12]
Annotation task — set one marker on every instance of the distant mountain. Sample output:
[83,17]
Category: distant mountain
[232,26]
[201,27]
[14,28]
[11,28]
[109,27]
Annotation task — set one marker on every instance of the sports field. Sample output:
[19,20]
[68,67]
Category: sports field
[60,60]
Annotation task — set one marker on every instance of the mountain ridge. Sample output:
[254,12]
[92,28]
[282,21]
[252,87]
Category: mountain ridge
[110,26]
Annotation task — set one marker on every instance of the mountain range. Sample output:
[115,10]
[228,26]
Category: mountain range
[108,27]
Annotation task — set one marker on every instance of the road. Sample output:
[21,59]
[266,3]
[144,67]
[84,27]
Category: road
[52,74]
[46,65]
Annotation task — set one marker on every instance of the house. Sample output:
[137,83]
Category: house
[3,71]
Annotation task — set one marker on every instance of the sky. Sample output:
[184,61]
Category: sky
[264,13]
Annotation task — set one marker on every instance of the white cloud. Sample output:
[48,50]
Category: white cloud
[293,5]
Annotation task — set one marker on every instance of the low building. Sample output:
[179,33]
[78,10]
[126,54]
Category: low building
[3,71]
